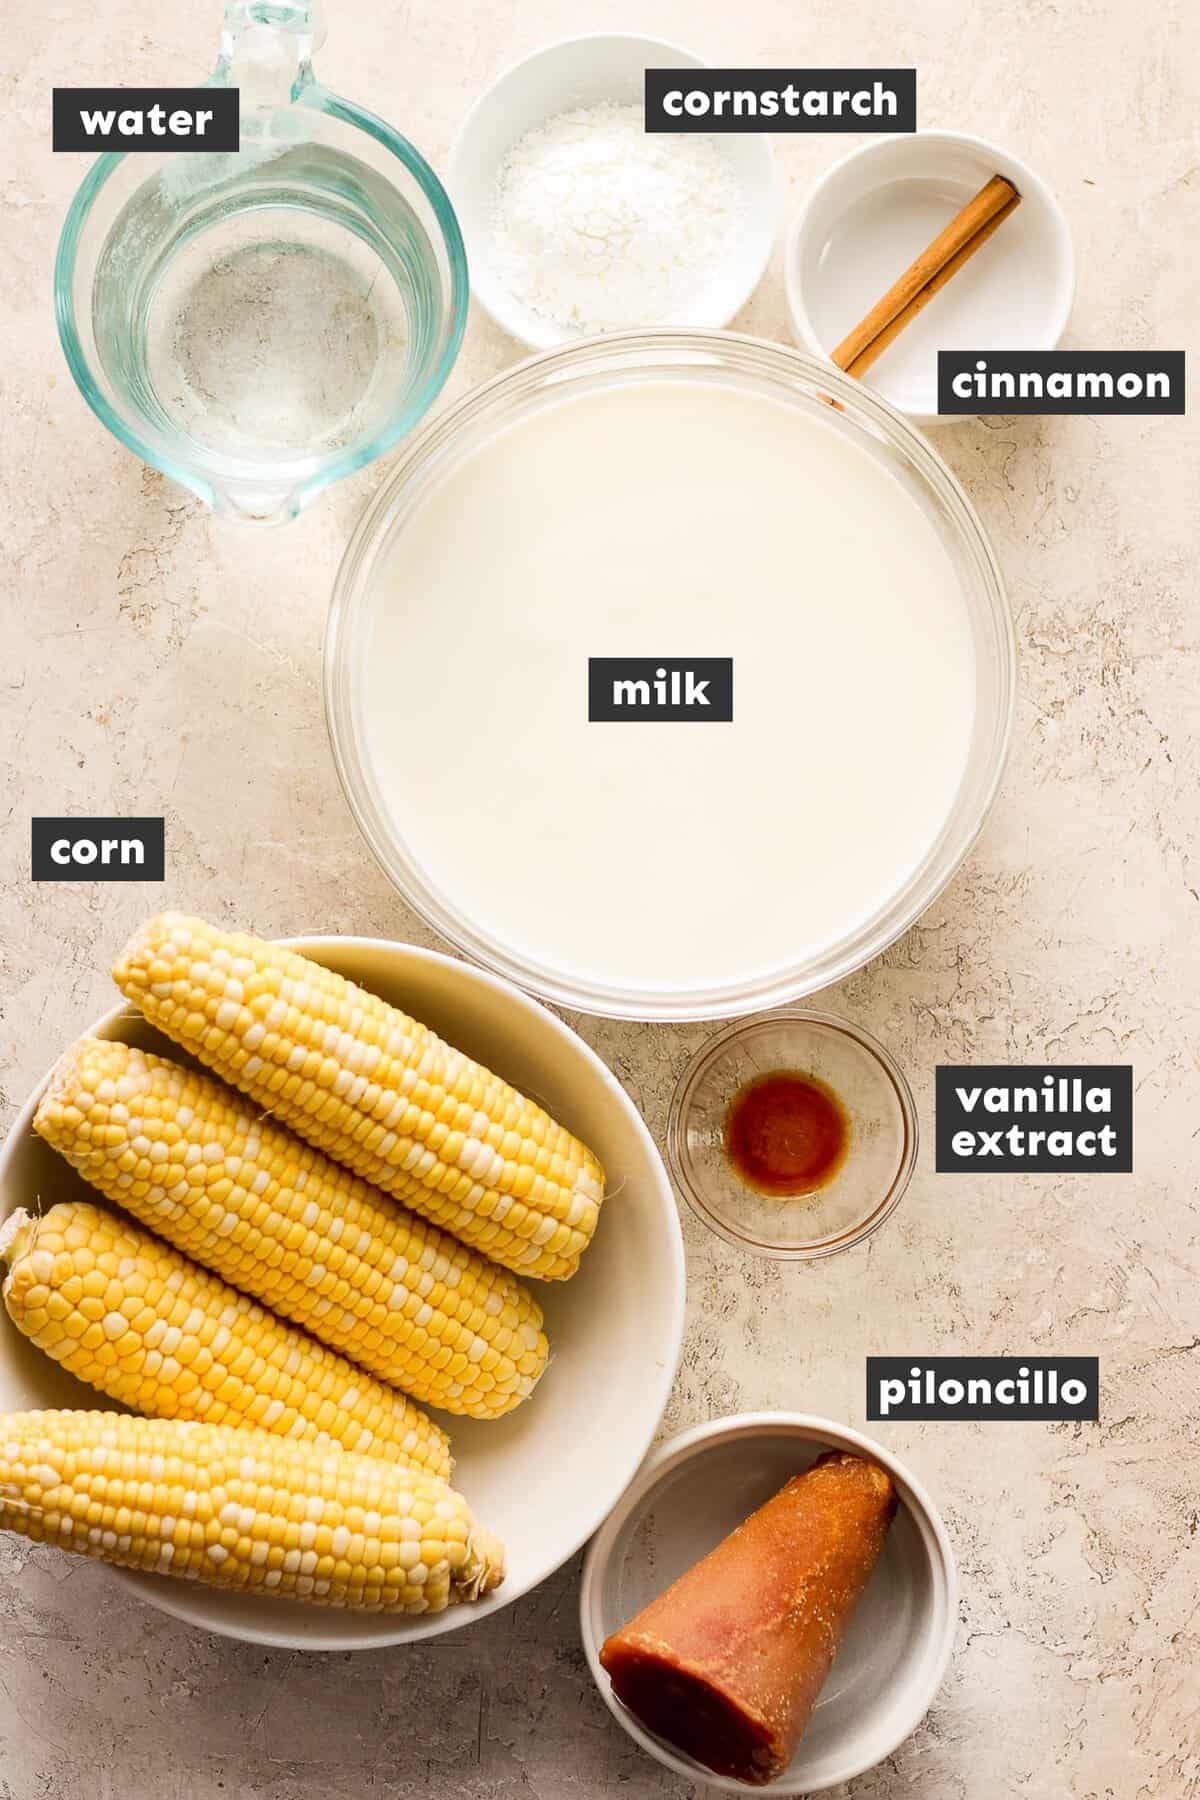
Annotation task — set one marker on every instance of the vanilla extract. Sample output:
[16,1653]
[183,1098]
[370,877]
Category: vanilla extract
[1025,1141]
[1035,1119]
[1055,1094]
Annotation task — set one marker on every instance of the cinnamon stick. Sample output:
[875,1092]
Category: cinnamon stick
[927,275]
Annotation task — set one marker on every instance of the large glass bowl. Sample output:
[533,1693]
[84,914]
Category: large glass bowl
[751,365]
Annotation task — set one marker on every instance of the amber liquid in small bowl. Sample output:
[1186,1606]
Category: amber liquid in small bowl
[786,1134]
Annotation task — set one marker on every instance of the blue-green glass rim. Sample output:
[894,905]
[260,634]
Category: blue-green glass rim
[321,100]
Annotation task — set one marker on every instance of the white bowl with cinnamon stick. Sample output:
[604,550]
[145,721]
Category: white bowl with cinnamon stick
[931,241]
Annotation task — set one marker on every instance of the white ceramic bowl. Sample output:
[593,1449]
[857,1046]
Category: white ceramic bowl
[876,209]
[545,1476]
[691,1493]
[586,71]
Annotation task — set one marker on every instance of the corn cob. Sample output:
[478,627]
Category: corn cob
[244,1198]
[133,1318]
[373,1089]
[242,1509]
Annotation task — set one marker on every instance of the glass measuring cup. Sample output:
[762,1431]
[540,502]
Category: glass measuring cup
[259,323]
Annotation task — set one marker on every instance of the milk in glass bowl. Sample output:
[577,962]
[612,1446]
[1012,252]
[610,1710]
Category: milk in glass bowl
[663,500]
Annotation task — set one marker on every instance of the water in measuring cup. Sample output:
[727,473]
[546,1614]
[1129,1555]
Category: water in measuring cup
[266,309]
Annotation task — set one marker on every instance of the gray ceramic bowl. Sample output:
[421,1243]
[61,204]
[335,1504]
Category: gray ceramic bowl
[691,1493]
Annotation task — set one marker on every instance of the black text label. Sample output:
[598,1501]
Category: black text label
[1061,381]
[629,688]
[781,100]
[1010,1119]
[99,850]
[983,1387]
[202,118]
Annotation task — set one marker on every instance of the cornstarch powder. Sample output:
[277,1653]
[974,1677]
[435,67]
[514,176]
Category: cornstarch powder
[600,227]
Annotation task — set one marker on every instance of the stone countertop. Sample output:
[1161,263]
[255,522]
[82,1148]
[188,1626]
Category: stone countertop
[159,661]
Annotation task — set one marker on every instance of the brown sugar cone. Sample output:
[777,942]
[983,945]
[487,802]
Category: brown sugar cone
[727,1664]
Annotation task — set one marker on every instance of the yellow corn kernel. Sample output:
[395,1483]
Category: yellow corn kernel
[373,1089]
[243,1197]
[180,1343]
[212,1503]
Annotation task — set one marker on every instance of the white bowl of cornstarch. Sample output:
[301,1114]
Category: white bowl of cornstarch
[578,221]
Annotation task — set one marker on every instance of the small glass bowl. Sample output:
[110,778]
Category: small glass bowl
[880,1156]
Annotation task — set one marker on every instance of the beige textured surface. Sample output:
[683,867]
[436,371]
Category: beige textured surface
[156,661]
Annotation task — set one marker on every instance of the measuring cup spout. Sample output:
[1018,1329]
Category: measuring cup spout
[257,505]
[267,50]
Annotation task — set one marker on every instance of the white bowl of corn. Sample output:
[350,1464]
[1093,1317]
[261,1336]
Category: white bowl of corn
[314,1326]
